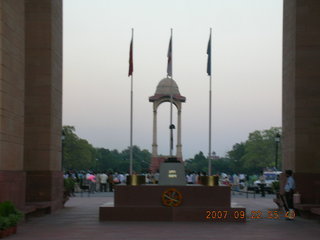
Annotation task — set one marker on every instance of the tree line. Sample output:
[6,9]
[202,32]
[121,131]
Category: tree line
[249,157]
[79,154]
[258,152]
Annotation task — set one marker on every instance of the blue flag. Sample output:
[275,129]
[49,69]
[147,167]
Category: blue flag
[209,56]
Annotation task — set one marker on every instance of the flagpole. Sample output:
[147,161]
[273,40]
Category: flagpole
[171,103]
[131,113]
[210,112]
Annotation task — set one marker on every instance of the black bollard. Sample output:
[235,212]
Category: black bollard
[262,185]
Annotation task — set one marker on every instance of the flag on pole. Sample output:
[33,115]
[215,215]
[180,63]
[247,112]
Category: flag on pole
[209,56]
[169,55]
[131,57]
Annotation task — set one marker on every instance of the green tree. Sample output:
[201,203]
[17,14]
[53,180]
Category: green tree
[236,157]
[197,164]
[221,165]
[112,160]
[78,153]
[200,164]
[260,150]
[141,159]
[108,160]
[256,154]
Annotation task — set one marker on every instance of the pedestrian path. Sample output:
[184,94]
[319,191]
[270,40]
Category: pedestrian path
[80,220]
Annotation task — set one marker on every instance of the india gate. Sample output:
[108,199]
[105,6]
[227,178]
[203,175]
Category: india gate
[31,100]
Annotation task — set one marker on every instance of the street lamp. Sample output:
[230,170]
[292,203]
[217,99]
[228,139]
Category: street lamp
[63,137]
[277,141]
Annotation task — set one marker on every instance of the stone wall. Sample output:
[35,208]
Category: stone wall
[31,101]
[301,86]
[301,95]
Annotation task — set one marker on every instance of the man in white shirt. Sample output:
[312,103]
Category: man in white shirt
[236,182]
[289,190]
[122,178]
[189,178]
[103,182]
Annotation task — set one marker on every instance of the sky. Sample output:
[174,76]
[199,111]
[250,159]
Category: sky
[246,70]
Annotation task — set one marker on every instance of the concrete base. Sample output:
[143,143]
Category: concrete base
[308,185]
[45,187]
[175,214]
[12,187]
[199,203]
[193,196]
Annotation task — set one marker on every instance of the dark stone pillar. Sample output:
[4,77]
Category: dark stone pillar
[43,101]
[301,94]
[12,55]
[12,187]
[45,186]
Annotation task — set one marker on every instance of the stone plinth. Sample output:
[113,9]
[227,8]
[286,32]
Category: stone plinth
[172,173]
[156,162]
[143,203]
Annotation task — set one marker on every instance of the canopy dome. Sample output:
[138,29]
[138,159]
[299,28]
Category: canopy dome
[167,86]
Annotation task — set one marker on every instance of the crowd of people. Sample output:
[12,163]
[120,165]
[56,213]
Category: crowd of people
[105,181]
[93,182]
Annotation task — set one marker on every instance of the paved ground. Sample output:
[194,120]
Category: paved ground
[79,220]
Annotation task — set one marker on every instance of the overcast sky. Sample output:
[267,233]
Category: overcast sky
[246,66]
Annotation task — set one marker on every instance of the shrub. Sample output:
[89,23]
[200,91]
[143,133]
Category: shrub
[276,186]
[7,208]
[4,223]
[9,215]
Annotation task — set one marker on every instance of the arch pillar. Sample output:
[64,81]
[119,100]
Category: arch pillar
[154,138]
[179,145]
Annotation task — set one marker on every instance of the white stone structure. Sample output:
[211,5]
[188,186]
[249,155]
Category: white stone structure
[165,88]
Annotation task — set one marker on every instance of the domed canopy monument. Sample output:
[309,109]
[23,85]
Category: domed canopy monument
[166,88]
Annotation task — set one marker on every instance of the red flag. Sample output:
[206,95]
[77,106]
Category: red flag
[131,58]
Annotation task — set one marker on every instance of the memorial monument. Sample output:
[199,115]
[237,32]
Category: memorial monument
[165,89]
[31,100]
[171,170]
[172,199]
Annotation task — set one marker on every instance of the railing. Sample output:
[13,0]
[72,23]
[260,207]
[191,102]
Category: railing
[246,192]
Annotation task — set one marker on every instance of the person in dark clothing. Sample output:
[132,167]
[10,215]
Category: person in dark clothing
[110,182]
